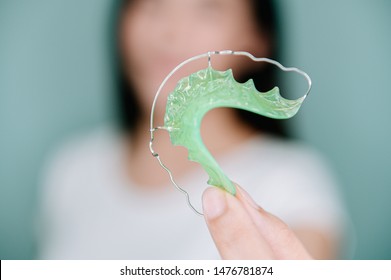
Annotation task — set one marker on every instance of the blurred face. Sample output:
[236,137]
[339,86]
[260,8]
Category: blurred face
[156,35]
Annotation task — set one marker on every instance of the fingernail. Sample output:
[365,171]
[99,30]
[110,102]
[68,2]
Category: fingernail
[214,202]
[248,198]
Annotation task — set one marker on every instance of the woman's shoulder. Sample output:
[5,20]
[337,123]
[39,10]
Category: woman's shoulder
[87,146]
[273,152]
[288,163]
[291,179]
[83,153]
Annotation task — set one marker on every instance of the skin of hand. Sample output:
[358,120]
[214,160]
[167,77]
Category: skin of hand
[243,230]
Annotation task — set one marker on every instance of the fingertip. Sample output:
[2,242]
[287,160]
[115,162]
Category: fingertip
[214,203]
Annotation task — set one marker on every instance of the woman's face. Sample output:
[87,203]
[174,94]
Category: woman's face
[156,35]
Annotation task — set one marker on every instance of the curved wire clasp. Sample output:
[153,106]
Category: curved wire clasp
[208,55]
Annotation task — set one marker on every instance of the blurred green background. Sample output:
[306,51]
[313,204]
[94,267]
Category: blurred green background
[55,81]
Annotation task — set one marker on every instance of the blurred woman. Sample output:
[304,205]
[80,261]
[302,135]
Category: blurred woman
[105,196]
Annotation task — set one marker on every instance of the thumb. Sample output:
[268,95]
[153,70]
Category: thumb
[232,228]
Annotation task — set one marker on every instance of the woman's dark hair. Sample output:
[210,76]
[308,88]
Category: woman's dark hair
[265,77]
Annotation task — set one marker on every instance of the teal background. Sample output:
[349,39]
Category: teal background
[55,81]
